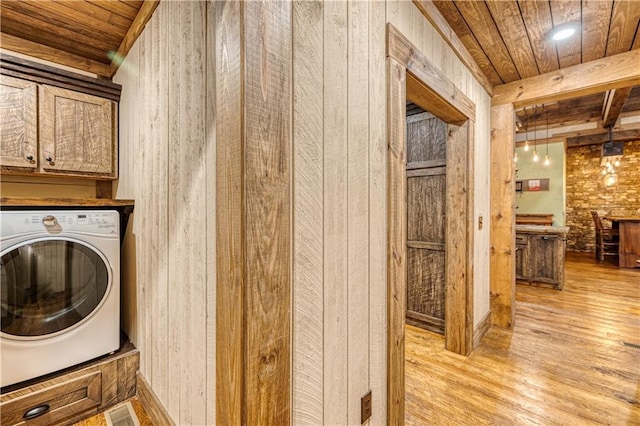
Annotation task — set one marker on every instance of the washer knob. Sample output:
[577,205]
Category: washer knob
[49,221]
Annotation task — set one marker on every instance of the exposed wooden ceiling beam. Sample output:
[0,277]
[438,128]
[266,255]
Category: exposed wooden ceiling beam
[433,15]
[26,47]
[625,135]
[616,102]
[144,14]
[613,72]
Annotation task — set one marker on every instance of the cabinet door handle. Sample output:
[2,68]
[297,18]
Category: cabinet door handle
[35,412]
[30,159]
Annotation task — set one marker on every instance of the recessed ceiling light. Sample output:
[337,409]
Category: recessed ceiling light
[562,34]
[564,31]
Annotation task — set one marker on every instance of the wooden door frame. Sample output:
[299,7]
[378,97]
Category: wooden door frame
[409,71]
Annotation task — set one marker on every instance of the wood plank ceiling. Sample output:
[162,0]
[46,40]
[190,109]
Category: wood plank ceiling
[90,35]
[509,39]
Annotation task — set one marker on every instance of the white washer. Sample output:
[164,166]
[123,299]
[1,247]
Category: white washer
[60,290]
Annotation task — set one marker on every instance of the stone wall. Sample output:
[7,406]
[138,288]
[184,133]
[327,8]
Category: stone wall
[586,191]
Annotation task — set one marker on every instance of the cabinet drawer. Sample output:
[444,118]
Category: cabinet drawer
[64,400]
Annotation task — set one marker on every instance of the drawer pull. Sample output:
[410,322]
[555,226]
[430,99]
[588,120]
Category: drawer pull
[35,412]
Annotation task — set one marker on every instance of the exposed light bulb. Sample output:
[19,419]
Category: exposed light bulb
[526,145]
[546,160]
[535,156]
[604,172]
[617,163]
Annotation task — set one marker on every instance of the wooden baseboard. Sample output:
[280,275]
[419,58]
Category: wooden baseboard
[151,404]
[481,329]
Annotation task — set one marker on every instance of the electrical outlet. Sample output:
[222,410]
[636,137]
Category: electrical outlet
[365,407]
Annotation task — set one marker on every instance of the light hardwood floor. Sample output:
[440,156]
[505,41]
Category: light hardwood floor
[573,358]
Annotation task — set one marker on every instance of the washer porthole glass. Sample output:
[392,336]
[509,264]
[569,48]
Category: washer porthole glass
[49,286]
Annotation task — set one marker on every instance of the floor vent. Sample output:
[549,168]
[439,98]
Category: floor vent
[122,415]
[631,345]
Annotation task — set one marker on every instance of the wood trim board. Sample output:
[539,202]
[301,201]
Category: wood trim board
[253,220]
[152,405]
[36,50]
[45,74]
[141,19]
[433,15]
[481,329]
[502,255]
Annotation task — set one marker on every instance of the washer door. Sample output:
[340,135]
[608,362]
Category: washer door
[50,286]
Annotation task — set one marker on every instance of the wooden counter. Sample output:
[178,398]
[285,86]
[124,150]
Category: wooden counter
[629,247]
[540,252]
[544,219]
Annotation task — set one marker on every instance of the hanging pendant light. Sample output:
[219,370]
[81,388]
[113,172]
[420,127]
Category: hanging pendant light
[546,133]
[526,133]
[535,136]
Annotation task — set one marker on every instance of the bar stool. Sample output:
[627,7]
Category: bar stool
[606,239]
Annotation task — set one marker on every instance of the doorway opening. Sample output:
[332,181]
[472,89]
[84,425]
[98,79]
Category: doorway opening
[411,77]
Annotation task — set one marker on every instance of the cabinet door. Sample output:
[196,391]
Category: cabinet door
[18,123]
[77,132]
[522,254]
[545,252]
[520,262]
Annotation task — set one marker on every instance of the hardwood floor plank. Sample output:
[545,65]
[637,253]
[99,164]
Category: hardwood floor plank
[572,358]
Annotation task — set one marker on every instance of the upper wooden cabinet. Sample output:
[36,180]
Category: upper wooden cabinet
[54,122]
[18,123]
[77,132]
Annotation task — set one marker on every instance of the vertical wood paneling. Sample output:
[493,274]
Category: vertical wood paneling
[157,77]
[140,176]
[335,214]
[191,197]
[377,212]
[210,154]
[308,114]
[358,206]
[267,121]
[229,195]
[339,169]
[163,167]
[175,239]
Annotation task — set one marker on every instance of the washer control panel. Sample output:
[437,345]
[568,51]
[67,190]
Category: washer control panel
[89,221]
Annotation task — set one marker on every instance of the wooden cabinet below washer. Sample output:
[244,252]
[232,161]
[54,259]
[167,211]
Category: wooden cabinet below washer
[71,395]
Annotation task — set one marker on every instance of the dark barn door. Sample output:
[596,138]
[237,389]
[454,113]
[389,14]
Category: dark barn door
[426,220]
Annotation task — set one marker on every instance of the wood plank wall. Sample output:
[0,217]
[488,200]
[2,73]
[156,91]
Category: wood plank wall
[166,153]
[339,203]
